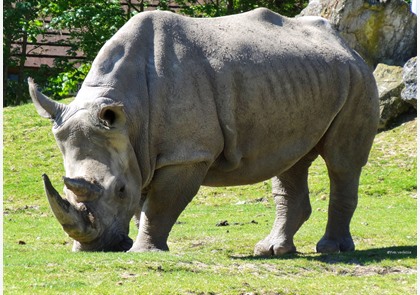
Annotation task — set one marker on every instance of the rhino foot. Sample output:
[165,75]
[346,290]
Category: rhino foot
[267,247]
[334,246]
[145,247]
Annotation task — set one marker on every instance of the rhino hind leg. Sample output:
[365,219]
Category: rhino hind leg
[343,203]
[171,190]
[293,208]
[344,163]
[345,149]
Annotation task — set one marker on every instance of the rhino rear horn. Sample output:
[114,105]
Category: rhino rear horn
[78,223]
[83,189]
[45,107]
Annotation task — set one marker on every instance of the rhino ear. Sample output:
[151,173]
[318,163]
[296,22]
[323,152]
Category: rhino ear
[45,107]
[112,116]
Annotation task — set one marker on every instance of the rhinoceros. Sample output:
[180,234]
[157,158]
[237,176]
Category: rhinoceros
[172,103]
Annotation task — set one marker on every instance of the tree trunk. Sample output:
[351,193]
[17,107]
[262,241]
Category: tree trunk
[230,7]
[7,48]
[6,57]
[21,73]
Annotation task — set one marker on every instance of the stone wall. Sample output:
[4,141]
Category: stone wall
[384,33]
[380,31]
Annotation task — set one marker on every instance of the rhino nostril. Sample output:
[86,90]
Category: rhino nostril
[121,192]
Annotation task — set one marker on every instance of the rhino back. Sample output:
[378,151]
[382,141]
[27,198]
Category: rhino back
[250,93]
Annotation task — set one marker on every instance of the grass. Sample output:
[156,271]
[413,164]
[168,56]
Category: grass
[205,258]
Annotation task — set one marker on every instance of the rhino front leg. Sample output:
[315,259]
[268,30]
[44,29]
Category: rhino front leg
[293,208]
[171,190]
[137,213]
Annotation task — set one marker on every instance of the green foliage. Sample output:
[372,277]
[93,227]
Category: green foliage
[90,23]
[205,258]
[20,25]
[197,8]
[68,82]
[19,18]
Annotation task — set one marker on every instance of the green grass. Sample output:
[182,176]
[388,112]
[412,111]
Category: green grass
[205,258]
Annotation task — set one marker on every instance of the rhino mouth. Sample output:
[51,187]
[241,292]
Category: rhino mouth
[124,245]
[81,225]
[112,240]
[121,243]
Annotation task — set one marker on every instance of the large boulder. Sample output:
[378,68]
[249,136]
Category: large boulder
[409,93]
[382,31]
[390,84]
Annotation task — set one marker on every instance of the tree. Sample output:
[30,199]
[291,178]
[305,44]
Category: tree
[90,25]
[20,26]
[211,8]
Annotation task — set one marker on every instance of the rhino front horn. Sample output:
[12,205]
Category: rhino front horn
[78,223]
[83,189]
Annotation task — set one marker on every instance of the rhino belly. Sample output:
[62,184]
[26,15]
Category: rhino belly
[258,159]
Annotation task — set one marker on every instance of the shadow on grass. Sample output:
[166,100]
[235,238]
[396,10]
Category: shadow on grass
[358,257]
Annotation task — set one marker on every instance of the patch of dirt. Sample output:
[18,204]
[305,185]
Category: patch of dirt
[226,223]
[263,269]
[127,275]
[254,201]
[362,271]
[222,223]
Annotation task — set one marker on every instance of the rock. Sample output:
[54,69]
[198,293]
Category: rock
[390,84]
[382,31]
[409,93]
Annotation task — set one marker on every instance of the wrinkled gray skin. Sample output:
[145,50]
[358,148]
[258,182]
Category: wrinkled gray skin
[172,103]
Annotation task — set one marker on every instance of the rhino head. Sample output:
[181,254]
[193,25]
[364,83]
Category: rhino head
[103,181]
